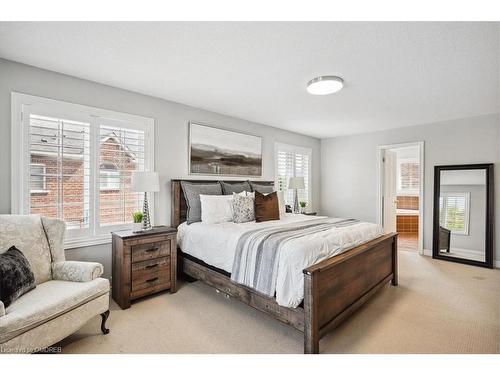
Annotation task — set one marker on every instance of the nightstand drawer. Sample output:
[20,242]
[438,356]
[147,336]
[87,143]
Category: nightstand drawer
[150,250]
[151,273]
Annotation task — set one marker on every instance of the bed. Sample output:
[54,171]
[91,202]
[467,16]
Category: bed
[320,296]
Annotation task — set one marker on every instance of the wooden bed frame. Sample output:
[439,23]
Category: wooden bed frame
[333,288]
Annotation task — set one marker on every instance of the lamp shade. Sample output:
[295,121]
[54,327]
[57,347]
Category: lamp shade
[296,183]
[145,182]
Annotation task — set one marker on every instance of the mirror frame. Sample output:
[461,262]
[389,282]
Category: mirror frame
[489,214]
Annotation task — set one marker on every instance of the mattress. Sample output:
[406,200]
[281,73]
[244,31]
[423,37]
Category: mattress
[215,244]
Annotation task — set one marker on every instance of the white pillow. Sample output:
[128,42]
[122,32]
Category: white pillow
[216,208]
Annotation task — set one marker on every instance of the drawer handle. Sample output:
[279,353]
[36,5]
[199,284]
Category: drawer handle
[152,266]
[152,280]
[151,250]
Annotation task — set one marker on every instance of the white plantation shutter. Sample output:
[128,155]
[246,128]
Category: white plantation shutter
[75,163]
[408,176]
[59,170]
[285,170]
[454,212]
[302,170]
[122,151]
[293,161]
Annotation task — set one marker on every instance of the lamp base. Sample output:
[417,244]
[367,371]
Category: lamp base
[146,223]
[296,209]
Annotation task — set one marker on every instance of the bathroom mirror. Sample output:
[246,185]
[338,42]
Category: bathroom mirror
[463,214]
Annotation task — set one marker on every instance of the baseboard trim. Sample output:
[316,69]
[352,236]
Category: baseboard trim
[496,263]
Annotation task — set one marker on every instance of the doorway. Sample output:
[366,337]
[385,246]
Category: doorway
[401,188]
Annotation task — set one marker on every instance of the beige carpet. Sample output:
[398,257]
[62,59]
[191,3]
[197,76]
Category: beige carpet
[438,307]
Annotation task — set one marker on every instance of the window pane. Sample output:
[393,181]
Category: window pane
[409,176]
[59,170]
[122,151]
[453,213]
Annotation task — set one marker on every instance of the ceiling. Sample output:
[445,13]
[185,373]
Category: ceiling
[396,74]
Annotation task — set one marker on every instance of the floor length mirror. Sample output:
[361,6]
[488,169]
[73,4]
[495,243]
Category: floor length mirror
[463,214]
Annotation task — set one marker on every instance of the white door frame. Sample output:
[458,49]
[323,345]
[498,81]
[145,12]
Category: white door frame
[380,187]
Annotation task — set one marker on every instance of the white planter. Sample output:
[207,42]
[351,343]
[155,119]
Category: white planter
[137,227]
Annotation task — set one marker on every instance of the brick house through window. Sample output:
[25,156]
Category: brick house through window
[60,172]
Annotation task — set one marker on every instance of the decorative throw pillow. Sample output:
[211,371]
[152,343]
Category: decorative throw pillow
[192,193]
[264,189]
[243,208]
[237,187]
[266,207]
[16,276]
[216,209]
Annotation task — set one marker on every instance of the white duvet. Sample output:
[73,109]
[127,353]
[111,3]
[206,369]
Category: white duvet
[215,244]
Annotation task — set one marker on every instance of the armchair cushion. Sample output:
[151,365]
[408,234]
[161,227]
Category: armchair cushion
[49,300]
[76,271]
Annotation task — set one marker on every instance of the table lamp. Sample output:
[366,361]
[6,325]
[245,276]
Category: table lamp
[144,182]
[296,183]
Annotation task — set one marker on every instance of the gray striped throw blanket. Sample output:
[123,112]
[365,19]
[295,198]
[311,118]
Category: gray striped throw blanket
[257,252]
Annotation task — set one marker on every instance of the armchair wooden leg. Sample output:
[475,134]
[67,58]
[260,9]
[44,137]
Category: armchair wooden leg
[104,317]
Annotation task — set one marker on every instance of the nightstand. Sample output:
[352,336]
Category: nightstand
[143,263]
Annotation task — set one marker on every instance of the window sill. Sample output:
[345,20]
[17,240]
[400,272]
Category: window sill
[74,243]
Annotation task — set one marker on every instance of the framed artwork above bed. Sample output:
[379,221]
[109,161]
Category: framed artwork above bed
[222,152]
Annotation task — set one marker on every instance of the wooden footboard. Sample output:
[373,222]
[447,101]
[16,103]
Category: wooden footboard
[333,289]
[336,287]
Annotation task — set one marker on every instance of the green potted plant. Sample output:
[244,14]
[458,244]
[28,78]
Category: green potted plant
[137,216]
[303,206]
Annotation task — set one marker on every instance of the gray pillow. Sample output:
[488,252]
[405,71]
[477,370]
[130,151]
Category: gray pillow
[237,187]
[243,208]
[263,189]
[192,193]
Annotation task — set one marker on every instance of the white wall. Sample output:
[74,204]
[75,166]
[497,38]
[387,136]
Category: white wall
[171,134]
[349,164]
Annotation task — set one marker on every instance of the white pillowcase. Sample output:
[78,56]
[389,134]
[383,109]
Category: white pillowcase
[216,209]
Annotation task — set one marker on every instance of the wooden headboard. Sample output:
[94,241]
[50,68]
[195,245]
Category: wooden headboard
[179,206]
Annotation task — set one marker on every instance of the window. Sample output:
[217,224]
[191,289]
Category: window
[408,172]
[454,212]
[37,178]
[293,161]
[75,163]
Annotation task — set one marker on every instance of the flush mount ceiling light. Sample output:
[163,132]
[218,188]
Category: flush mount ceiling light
[325,85]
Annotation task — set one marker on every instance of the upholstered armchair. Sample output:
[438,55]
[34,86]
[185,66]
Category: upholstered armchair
[67,294]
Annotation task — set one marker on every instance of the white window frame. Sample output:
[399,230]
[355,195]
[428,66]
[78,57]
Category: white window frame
[20,160]
[399,190]
[466,196]
[44,181]
[296,150]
